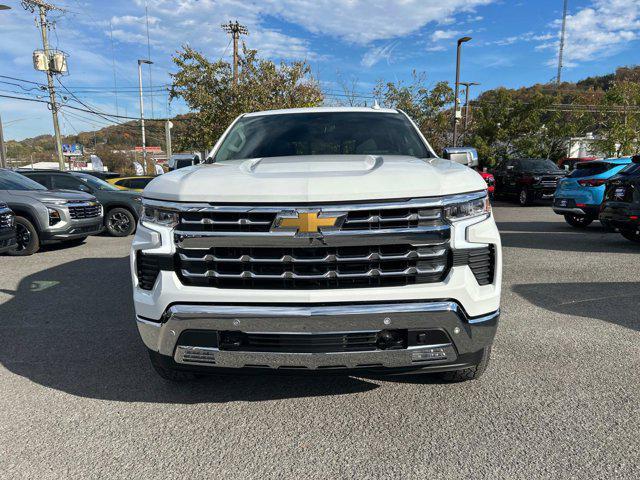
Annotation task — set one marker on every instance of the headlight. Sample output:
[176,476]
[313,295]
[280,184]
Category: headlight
[56,202]
[54,216]
[159,216]
[470,209]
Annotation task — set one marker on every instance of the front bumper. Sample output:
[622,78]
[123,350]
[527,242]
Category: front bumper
[74,229]
[466,336]
[7,240]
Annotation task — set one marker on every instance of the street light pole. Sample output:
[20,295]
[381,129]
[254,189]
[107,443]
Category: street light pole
[467,107]
[3,159]
[144,138]
[457,100]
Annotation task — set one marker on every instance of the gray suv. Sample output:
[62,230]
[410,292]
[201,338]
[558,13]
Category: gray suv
[44,216]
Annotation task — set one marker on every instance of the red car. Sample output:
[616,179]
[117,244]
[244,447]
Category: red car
[491,182]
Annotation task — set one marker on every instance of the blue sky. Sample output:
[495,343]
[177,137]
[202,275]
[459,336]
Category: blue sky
[514,44]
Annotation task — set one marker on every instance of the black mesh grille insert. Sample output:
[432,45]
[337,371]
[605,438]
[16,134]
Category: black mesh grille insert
[480,260]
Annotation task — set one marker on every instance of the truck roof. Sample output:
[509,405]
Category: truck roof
[322,110]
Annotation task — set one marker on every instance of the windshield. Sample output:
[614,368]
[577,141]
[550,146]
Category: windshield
[14,181]
[94,182]
[539,165]
[330,133]
[590,169]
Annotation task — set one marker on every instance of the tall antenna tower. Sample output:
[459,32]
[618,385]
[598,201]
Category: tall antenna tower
[562,40]
[235,29]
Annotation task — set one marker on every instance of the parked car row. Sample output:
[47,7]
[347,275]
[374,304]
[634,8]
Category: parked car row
[606,190]
[49,206]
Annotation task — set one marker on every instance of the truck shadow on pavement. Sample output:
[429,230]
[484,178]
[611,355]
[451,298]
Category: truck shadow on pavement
[615,302]
[559,236]
[72,328]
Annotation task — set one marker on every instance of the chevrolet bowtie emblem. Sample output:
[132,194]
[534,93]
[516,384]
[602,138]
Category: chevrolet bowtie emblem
[307,222]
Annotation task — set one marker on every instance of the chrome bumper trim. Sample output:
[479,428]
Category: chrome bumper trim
[577,211]
[468,334]
[415,356]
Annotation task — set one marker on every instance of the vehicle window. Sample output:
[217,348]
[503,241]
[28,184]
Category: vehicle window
[94,182]
[590,169]
[538,165]
[65,182]
[41,179]
[631,169]
[331,133]
[14,181]
[139,183]
[183,163]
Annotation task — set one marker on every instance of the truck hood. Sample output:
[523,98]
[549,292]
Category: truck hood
[315,178]
[54,195]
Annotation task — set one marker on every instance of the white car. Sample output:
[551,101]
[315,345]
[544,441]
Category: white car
[318,239]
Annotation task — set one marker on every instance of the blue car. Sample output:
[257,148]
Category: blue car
[579,195]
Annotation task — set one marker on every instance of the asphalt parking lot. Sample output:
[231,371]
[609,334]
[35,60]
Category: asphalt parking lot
[561,399]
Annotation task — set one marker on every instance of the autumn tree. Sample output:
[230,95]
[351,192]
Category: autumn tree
[207,88]
[425,105]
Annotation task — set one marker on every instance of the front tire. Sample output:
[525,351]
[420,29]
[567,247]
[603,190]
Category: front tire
[633,235]
[578,221]
[120,222]
[28,240]
[471,373]
[524,197]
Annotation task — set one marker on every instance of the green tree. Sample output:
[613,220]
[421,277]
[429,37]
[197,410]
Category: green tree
[207,88]
[426,106]
[620,127]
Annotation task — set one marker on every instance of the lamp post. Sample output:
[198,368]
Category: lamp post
[3,160]
[456,100]
[467,107]
[144,139]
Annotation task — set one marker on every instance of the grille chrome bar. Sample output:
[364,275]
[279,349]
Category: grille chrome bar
[209,221]
[331,274]
[411,255]
[406,218]
[428,202]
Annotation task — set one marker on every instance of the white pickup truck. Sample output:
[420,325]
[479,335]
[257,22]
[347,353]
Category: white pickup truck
[318,239]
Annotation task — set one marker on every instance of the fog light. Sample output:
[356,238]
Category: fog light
[54,216]
[429,354]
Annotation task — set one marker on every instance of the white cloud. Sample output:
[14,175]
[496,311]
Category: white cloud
[605,28]
[377,54]
[439,35]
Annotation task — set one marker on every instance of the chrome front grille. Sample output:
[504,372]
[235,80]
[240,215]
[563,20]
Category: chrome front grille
[371,244]
[371,217]
[85,211]
[313,267]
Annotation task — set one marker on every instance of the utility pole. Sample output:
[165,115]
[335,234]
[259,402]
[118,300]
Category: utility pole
[3,152]
[562,40]
[235,29]
[144,138]
[168,125]
[43,8]
[457,90]
[467,107]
